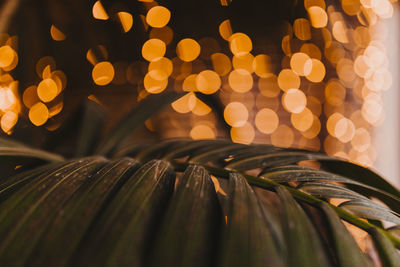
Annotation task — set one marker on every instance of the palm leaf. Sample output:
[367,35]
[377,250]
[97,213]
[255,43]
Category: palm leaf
[37,209]
[329,190]
[388,254]
[93,120]
[370,210]
[346,249]
[302,239]
[145,109]
[120,234]
[188,233]
[117,214]
[248,230]
[18,152]
[78,213]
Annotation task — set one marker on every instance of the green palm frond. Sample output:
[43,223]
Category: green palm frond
[189,203]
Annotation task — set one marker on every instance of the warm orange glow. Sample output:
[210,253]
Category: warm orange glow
[339,31]
[208,82]
[221,63]
[243,62]
[201,108]
[294,101]
[345,70]
[99,12]
[189,84]
[160,69]
[7,55]
[244,134]
[188,49]
[375,55]
[43,63]
[202,131]
[362,140]
[149,125]
[267,102]
[240,44]
[225,29]
[47,90]
[154,86]
[285,45]
[302,121]
[158,16]
[314,105]
[56,109]
[30,97]
[335,92]
[266,120]
[283,136]
[46,72]
[318,16]
[38,114]
[344,130]
[240,81]
[332,146]
[310,3]
[381,80]
[61,77]
[8,121]
[7,99]
[56,34]
[185,104]
[287,79]
[236,114]
[301,64]
[316,90]
[311,50]
[103,73]
[314,130]
[153,49]
[181,69]
[332,121]
[351,7]
[301,28]
[13,64]
[334,52]
[317,72]
[91,57]
[126,20]
[165,34]
[310,144]
[268,86]
[362,66]
[372,111]
[262,65]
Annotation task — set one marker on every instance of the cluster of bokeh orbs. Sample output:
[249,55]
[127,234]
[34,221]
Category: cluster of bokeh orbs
[325,92]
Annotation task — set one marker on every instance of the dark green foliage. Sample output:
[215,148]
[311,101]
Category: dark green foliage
[346,249]
[304,246]
[249,237]
[188,234]
[131,211]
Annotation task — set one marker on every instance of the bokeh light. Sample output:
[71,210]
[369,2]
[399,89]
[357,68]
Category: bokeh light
[315,82]
[102,73]
[158,16]
[236,114]
[188,49]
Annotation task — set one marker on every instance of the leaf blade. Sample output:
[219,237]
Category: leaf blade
[144,110]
